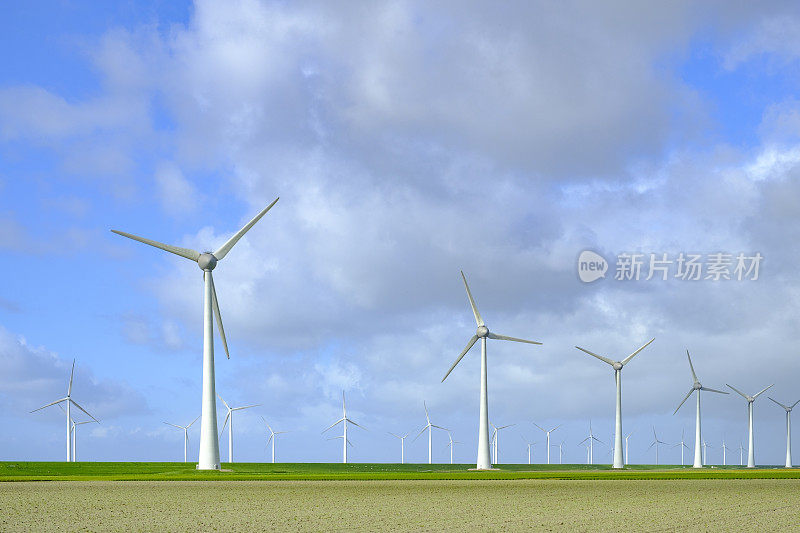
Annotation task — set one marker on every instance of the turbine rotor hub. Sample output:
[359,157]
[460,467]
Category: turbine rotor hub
[617,365]
[482,332]
[697,386]
[207,261]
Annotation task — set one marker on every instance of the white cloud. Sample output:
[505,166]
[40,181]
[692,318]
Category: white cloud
[176,194]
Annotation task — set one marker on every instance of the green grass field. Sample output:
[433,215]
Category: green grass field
[60,471]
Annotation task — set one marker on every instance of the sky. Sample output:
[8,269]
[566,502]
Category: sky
[407,141]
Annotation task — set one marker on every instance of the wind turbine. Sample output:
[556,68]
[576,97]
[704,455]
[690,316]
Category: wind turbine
[751,460]
[546,432]
[207,261]
[696,387]
[705,451]
[451,445]
[724,455]
[626,446]
[185,434]
[484,461]
[75,437]
[429,427]
[497,438]
[229,417]
[788,410]
[591,438]
[272,436]
[344,420]
[741,454]
[530,445]
[70,402]
[655,443]
[402,446]
[560,447]
[617,366]
[682,444]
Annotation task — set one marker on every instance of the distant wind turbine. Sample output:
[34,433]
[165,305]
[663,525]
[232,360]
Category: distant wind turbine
[560,447]
[696,387]
[788,409]
[185,434]
[626,446]
[229,419]
[429,426]
[207,261]
[344,420]
[69,402]
[705,451]
[402,446]
[547,433]
[591,438]
[451,445]
[724,455]
[682,444]
[741,454]
[529,445]
[751,459]
[497,438]
[655,443]
[484,461]
[617,366]
[272,436]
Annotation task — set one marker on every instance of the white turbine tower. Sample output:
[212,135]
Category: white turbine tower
[547,433]
[529,445]
[484,461]
[185,434]
[344,420]
[402,446]
[496,439]
[705,451]
[788,409]
[696,387]
[617,366]
[682,444]
[207,261]
[724,454]
[229,418]
[69,402]
[751,458]
[429,427]
[655,443]
[626,446]
[590,446]
[560,447]
[741,454]
[272,436]
[75,437]
[451,445]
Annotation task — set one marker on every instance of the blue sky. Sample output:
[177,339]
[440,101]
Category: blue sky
[407,141]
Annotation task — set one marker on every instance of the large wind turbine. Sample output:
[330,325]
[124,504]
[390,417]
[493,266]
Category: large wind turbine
[696,387]
[590,446]
[617,366]
[546,432]
[272,436]
[229,418]
[655,443]
[751,458]
[788,409]
[496,437]
[484,462]
[402,446]
[344,420]
[429,427]
[209,443]
[185,434]
[70,402]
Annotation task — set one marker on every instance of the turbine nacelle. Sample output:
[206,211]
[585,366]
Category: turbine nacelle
[207,261]
[616,365]
[482,332]
[697,386]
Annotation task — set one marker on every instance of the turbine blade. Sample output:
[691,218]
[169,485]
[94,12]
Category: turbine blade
[357,425]
[49,404]
[221,431]
[329,427]
[173,425]
[631,356]
[421,431]
[440,427]
[225,248]
[540,427]
[270,438]
[795,403]
[779,403]
[691,367]
[475,312]
[84,410]
[604,359]
[472,341]
[506,426]
[224,402]
[217,314]
[188,253]
[193,421]
[762,391]
[507,338]
[245,407]
[392,434]
[714,390]
[684,400]
[743,395]
[425,405]
[72,373]
[555,428]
